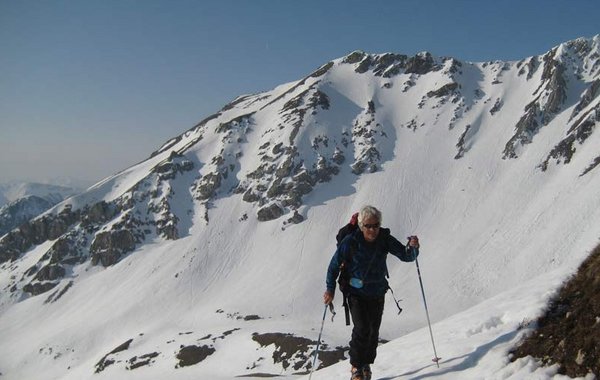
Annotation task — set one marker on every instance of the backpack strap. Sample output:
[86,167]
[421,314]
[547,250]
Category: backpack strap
[343,272]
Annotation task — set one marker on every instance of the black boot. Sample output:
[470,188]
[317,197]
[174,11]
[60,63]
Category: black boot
[366,370]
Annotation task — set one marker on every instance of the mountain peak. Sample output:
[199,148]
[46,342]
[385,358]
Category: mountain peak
[494,163]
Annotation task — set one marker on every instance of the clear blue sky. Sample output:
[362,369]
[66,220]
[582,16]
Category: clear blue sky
[88,88]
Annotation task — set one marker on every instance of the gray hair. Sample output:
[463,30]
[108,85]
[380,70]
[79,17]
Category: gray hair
[367,212]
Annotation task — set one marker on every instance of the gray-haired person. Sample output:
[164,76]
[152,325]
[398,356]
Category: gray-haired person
[362,255]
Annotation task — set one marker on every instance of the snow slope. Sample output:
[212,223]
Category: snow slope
[226,230]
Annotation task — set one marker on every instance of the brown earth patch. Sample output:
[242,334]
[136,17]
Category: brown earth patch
[568,333]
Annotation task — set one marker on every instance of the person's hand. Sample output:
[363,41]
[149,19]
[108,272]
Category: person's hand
[327,297]
[413,241]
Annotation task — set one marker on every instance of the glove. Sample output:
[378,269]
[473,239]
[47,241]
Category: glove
[413,241]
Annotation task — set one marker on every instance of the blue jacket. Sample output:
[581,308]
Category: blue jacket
[368,261]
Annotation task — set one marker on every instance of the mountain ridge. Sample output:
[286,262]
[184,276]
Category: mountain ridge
[485,159]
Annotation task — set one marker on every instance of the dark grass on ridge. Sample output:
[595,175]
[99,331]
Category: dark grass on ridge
[568,333]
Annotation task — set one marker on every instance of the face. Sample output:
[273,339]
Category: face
[370,228]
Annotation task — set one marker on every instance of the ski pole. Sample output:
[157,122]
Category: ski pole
[319,340]
[435,359]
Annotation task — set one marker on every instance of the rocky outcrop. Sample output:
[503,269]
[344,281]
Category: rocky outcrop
[273,211]
[107,359]
[445,90]
[176,164]
[461,143]
[549,100]
[108,247]
[34,232]
[206,187]
[591,167]
[530,67]
[322,70]
[556,89]
[365,135]
[588,96]
[421,63]
[578,133]
[190,355]
[526,128]
[38,288]
[294,351]
[389,64]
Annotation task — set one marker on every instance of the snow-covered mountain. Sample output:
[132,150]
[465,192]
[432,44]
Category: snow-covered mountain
[12,192]
[22,201]
[20,211]
[214,249]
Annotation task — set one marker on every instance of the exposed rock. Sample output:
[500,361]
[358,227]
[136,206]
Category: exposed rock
[190,355]
[557,92]
[293,351]
[388,65]
[285,168]
[324,171]
[250,196]
[106,361]
[354,57]
[174,165]
[338,157]
[579,132]
[367,161]
[236,123]
[34,232]
[461,143]
[59,293]
[497,106]
[50,272]
[98,213]
[63,251]
[38,287]
[322,70]
[276,189]
[142,360]
[167,227]
[364,65]
[273,211]
[593,165]
[530,67]
[207,186]
[421,63]
[586,98]
[108,247]
[296,218]
[443,91]
[319,99]
[526,128]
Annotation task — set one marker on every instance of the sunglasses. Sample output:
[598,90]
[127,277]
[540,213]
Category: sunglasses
[373,226]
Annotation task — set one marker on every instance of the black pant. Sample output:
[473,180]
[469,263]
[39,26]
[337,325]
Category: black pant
[366,317]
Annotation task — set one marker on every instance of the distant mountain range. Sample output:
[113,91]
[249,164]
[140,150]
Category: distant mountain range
[20,202]
[222,236]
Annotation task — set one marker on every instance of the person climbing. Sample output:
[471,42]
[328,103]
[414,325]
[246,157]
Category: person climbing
[361,255]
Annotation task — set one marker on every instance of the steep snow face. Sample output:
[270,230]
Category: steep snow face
[226,230]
